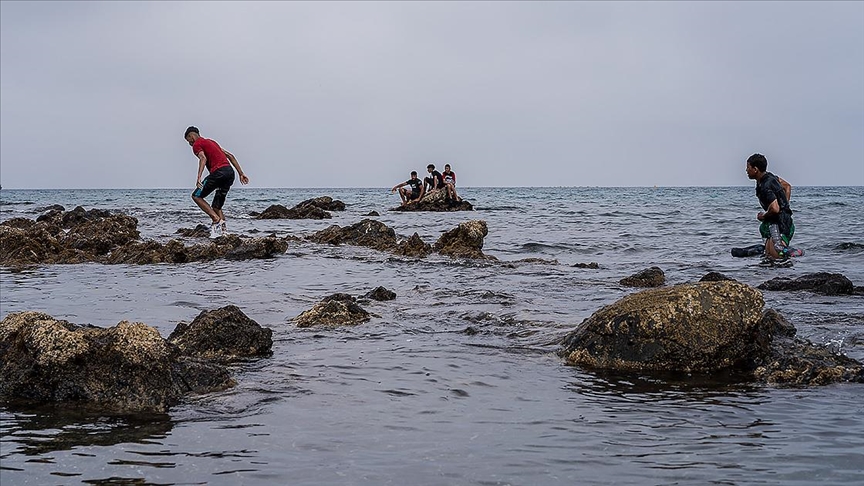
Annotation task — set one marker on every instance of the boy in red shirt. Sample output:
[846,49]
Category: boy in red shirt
[218,162]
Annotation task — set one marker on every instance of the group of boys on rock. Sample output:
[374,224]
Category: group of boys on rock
[412,190]
[776,225]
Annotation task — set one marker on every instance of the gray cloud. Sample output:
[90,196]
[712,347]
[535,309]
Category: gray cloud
[97,94]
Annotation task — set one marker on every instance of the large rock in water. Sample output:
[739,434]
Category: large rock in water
[224,334]
[436,201]
[690,327]
[703,327]
[128,367]
[464,241]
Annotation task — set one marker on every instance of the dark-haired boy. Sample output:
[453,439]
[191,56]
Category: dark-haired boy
[435,181]
[218,162]
[414,194]
[773,193]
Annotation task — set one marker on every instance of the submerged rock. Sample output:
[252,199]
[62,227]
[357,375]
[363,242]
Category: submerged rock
[591,265]
[823,283]
[223,334]
[436,201]
[380,294]
[702,327]
[125,367]
[334,310]
[650,277]
[464,241]
[716,277]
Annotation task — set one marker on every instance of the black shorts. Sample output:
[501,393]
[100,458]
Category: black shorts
[415,194]
[220,181]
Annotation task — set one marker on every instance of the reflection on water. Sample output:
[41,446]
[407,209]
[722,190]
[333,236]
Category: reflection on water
[456,381]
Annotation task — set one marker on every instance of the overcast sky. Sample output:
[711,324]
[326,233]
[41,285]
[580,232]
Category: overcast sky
[330,94]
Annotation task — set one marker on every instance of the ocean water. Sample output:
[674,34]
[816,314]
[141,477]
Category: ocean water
[410,397]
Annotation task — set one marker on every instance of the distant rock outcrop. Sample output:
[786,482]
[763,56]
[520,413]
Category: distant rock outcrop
[436,201]
[315,208]
[702,327]
[380,293]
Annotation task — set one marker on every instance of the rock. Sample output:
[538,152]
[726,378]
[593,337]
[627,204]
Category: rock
[199,231]
[650,277]
[798,362]
[436,201]
[823,283]
[257,248]
[128,367]
[464,241]
[716,277]
[335,310]
[592,265]
[98,236]
[690,327]
[223,334]
[413,247]
[539,261]
[380,294]
[368,233]
[776,324]
[703,327]
[326,203]
[315,208]
[372,213]
[52,207]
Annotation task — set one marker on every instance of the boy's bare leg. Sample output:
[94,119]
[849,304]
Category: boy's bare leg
[205,206]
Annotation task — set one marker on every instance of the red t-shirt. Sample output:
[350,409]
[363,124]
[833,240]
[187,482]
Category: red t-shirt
[216,158]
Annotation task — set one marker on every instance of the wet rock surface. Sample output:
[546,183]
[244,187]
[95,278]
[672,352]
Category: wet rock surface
[436,201]
[464,241]
[413,247]
[128,367]
[335,310]
[368,232]
[650,277]
[224,334]
[702,327]
[102,237]
[823,283]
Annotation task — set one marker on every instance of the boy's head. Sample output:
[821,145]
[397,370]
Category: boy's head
[413,174]
[756,165]
[191,135]
[446,167]
[430,167]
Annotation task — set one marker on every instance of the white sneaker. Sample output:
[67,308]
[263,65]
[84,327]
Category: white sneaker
[223,228]
[215,230]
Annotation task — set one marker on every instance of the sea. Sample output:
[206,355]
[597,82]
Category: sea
[457,381]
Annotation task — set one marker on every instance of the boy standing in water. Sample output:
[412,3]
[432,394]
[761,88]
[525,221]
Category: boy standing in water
[218,162]
[773,194]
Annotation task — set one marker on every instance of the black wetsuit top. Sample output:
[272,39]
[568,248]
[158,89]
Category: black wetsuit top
[768,190]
